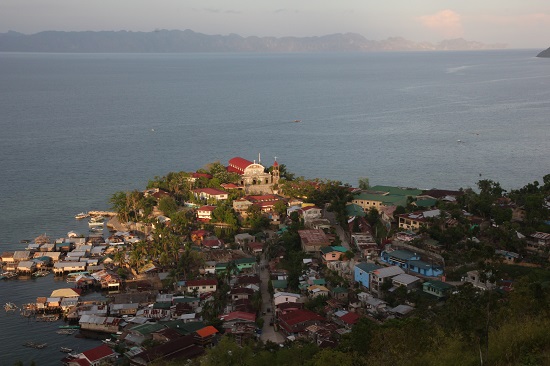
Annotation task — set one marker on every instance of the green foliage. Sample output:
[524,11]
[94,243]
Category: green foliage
[168,206]
[364,183]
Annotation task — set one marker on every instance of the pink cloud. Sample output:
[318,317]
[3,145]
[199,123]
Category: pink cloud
[446,22]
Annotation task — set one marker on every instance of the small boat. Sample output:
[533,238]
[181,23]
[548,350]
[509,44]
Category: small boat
[74,234]
[297,120]
[24,241]
[97,219]
[81,216]
[66,349]
[10,306]
[95,224]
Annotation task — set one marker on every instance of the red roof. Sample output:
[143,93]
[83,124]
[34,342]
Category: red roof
[350,318]
[98,353]
[201,175]
[263,198]
[275,163]
[212,243]
[203,282]
[299,316]
[239,164]
[238,315]
[207,208]
[207,331]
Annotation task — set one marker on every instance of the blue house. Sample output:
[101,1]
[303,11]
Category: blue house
[410,262]
[362,273]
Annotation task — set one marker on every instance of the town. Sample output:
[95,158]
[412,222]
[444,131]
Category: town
[240,263]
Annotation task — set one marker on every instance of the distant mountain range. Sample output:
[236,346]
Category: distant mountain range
[545,53]
[161,41]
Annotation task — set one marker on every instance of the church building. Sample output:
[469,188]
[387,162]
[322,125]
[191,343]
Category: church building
[254,176]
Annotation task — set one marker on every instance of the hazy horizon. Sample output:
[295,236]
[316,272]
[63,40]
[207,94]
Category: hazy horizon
[517,23]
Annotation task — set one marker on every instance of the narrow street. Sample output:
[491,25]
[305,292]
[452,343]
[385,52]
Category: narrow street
[339,230]
[268,332]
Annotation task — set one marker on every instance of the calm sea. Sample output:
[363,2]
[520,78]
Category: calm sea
[75,128]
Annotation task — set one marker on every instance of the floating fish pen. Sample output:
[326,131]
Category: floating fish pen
[67,331]
[47,318]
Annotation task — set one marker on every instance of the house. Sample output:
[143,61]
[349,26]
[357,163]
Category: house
[475,278]
[240,293]
[199,286]
[346,318]
[339,293]
[414,220]
[509,257]
[332,253]
[67,267]
[213,243]
[99,323]
[410,262]
[244,238]
[362,272]
[317,290]
[437,288]
[313,240]
[123,309]
[183,348]
[285,297]
[210,194]
[295,322]
[101,355]
[405,280]
[245,263]
[236,318]
[310,213]
[401,311]
[372,304]
[204,213]
[366,245]
[379,276]
[205,337]
[26,267]
[538,241]
[279,285]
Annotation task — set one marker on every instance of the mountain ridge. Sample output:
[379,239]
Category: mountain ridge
[178,41]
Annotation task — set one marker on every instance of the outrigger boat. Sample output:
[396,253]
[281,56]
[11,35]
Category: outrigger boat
[66,349]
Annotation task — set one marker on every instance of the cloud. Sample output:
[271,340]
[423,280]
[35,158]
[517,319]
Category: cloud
[446,22]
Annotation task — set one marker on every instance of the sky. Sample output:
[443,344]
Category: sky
[516,23]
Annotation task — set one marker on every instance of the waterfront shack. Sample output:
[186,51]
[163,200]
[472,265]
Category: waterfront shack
[97,323]
[26,267]
[60,268]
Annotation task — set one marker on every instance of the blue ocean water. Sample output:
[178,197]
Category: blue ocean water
[75,128]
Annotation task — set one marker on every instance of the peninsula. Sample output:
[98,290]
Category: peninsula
[545,53]
[243,261]
[162,41]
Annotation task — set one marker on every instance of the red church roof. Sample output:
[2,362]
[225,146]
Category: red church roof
[238,165]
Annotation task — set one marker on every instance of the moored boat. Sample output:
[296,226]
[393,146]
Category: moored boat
[66,349]
[81,216]
[10,306]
